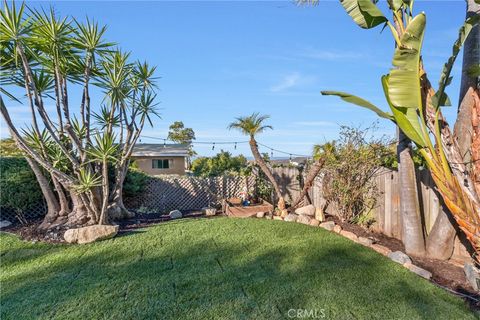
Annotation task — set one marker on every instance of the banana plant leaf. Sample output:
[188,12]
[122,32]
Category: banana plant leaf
[404,80]
[359,102]
[364,12]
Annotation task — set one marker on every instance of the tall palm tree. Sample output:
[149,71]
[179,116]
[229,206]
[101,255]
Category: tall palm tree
[251,126]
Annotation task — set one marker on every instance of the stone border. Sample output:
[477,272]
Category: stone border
[397,256]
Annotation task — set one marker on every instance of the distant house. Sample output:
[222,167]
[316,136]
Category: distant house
[155,159]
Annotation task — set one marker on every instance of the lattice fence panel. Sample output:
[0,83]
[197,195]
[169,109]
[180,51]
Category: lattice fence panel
[163,194]
[36,211]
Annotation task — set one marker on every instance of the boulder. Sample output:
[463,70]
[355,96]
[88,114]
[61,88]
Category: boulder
[291,217]
[4,224]
[260,214]
[365,241]
[473,275]
[90,234]
[277,218]
[284,213]
[306,211]
[421,272]
[381,249]
[399,257]
[350,235]
[208,211]
[314,222]
[268,216]
[304,219]
[337,228]
[319,215]
[175,214]
[329,225]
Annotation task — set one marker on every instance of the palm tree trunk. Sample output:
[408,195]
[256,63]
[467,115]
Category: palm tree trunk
[412,232]
[312,174]
[441,240]
[263,166]
[469,106]
[103,217]
[116,208]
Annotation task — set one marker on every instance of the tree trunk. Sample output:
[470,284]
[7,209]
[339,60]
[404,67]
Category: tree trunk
[412,232]
[312,174]
[263,166]
[441,240]
[116,209]
[471,57]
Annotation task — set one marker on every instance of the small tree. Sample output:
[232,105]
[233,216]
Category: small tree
[178,133]
[252,126]
[221,164]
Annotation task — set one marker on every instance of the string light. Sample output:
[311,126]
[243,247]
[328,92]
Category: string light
[164,143]
[235,146]
[213,146]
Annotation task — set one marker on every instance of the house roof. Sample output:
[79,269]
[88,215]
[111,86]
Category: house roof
[160,150]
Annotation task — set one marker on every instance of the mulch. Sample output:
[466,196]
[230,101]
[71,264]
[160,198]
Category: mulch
[445,274]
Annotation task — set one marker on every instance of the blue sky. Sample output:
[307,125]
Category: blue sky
[219,60]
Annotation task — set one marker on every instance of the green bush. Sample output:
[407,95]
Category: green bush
[19,189]
[221,164]
[134,183]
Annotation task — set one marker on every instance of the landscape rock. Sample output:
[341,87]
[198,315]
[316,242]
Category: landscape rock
[306,211]
[473,275]
[4,224]
[304,219]
[337,228]
[175,214]
[292,217]
[421,272]
[399,257]
[260,214]
[90,234]
[208,211]
[268,217]
[319,215]
[365,241]
[277,218]
[329,225]
[314,222]
[381,249]
[349,235]
[284,213]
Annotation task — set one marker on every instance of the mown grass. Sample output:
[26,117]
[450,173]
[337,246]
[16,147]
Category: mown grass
[214,269]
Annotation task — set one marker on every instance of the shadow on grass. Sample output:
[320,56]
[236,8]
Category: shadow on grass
[212,279]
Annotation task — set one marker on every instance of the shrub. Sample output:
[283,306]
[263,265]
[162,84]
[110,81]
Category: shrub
[19,189]
[134,183]
[350,164]
[221,164]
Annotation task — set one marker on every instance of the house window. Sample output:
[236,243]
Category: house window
[161,164]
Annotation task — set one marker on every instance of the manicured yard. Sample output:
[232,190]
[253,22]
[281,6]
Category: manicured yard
[214,269]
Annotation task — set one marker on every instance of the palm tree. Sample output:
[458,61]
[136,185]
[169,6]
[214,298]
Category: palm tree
[251,126]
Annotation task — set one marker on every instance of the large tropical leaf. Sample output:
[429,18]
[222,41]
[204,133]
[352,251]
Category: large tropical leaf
[359,102]
[364,12]
[405,118]
[404,79]
[440,98]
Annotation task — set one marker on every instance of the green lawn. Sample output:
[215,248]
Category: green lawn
[214,269]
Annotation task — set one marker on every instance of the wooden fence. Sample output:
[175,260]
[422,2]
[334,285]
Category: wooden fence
[387,209]
[163,194]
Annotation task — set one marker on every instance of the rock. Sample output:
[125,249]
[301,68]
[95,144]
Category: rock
[329,225]
[473,275]
[319,215]
[314,222]
[421,272]
[380,249]
[291,217]
[175,214]
[208,211]
[365,241]
[90,234]
[399,257]
[304,219]
[337,228]
[260,214]
[277,218]
[4,224]
[350,235]
[306,211]
[284,213]
[268,216]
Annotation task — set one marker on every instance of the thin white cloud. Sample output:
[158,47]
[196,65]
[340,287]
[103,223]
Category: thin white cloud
[314,123]
[289,81]
[332,55]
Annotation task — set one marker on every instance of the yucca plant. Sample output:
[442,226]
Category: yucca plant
[416,109]
[45,54]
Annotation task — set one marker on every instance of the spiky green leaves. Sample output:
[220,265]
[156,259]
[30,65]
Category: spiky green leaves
[364,12]
[251,125]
